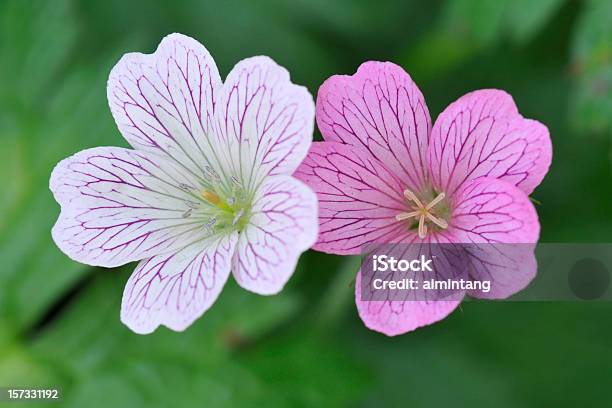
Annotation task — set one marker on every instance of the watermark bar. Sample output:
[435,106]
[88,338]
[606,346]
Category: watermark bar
[514,272]
[22,394]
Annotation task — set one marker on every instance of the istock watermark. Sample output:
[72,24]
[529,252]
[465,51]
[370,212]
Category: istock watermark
[521,272]
[384,263]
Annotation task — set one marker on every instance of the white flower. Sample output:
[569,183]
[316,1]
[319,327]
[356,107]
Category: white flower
[206,190]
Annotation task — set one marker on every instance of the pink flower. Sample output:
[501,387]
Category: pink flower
[207,188]
[383,175]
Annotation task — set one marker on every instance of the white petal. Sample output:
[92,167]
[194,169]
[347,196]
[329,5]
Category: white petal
[263,121]
[283,224]
[164,102]
[120,205]
[175,289]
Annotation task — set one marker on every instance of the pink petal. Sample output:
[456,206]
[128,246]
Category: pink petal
[489,210]
[358,197]
[482,134]
[492,214]
[264,122]
[121,205]
[379,109]
[177,288]
[283,224]
[164,102]
[398,317]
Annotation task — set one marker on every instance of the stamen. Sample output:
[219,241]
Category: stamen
[438,221]
[211,174]
[405,216]
[423,212]
[435,201]
[237,217]
[422,227]
[210,223]
[192,204]
[411,196]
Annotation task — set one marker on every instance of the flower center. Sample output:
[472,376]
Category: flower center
[228,212]
[218,206]
[425,212]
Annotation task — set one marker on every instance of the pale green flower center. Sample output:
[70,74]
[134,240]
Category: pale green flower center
[227,212]
[219,207]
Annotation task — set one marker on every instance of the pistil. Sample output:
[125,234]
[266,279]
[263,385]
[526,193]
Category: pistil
[211,197]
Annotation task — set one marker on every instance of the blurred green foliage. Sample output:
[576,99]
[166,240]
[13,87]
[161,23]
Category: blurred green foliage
[59,321]
[591,53]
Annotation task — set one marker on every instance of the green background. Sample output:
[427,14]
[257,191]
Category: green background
[59,320]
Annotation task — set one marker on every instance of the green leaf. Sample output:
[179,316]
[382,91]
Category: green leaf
[591,103]
[36,40]
[476,21]
[525,18]
[53,108]
[484,22]
[466,27]
[313,371]
[230,357]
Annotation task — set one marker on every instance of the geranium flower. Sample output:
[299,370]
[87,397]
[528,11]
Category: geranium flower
[384,175]
[207,188]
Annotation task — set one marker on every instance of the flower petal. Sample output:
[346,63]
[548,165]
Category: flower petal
[493,214]
[358,197]
[379,109]
[264,122]
[488,210]
[482,134]
[164,102]
[121,205]
[283,224]
[394,317]
[175,289]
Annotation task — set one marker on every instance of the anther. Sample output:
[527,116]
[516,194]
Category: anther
[210,223]
[411,196]
[237,217]
[210,173]
[192,204]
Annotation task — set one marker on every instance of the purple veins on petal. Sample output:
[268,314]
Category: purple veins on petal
[171,202]
[384,174]
[119,206]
